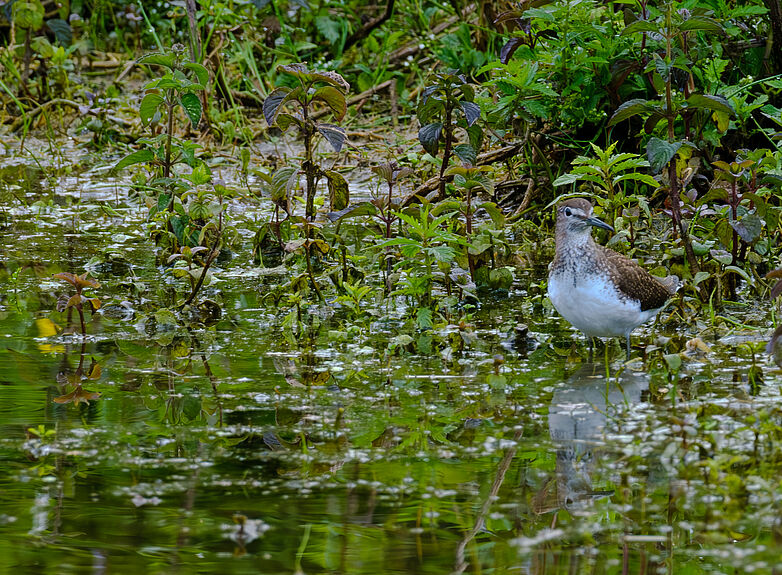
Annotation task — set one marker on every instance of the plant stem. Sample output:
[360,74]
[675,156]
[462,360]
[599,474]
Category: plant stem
[673,185]
[447,152]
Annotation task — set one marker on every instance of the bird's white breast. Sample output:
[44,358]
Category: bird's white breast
[594,305]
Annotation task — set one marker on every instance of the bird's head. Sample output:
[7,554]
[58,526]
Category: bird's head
[574,218]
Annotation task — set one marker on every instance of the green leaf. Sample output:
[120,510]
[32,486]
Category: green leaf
[429,136]
[192,106]
[335,135]
[328,28]
[699,277]
[739,271]
[629,109]
[748,228]
[701,23]
[673,360]
[495,213]
[201,73]
[149,106]
[501,278]
[428,110]
[640,26]
[660,152]
[362,209]
[472,111]
[564,179]
[158,59]
[27,15]
[423,318]
[334,99]
[273,102]
[62,31]
[137,157]
[710,102]
[466,153]
[284,120]
[643,178]
[283,182]
[339,192]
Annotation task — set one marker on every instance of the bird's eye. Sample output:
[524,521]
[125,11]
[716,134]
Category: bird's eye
[568,212]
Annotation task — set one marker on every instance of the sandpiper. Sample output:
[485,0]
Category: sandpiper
[601,292]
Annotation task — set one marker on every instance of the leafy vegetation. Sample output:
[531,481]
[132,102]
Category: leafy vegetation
[321,232]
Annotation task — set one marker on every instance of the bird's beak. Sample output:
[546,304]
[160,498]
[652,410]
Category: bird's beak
[596,223]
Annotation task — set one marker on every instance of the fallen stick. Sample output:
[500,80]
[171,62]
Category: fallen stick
[32,114]
[483,159]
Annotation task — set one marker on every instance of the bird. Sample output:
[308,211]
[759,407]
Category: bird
[597,290]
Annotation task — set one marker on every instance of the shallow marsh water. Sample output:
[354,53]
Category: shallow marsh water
[230,449]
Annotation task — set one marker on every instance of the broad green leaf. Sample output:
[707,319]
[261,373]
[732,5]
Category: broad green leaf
[137,157]
[362,209]
[701,23]
[283,182]
[334,99]
[652,121]
[640,26]
[284,120]
[334,135]
[710,102]
[660,152]
[328,28]
[273,102]
[62,31]
[192,106]
[339,192]
[149,106]
[643,178]
[429,136]
[629,109]
[27,15]
[748,228]
[471,111]
[200,71]
[428,110]
[564,179]
[158,59]
[739,271]
[501,278]
[673,360]
[466,153]
[495,213]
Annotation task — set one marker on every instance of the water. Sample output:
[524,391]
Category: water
[236,449]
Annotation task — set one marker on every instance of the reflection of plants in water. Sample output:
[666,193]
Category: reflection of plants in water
[174,359]
[78,394]
[78,300]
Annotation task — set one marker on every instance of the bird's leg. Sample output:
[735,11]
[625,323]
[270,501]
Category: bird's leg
[627,345]
[591,348]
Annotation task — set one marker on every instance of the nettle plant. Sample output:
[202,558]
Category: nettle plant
[608,173]
[680,113]
[295,106]
[176,89]
[447,104]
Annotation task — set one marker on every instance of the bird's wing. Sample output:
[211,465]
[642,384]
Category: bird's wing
[637,283]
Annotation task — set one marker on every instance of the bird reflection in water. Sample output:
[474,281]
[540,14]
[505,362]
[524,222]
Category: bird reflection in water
[578,415]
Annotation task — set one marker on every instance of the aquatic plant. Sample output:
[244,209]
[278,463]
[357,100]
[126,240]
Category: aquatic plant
[78,300]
